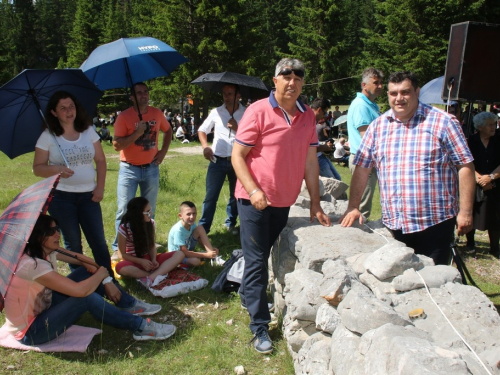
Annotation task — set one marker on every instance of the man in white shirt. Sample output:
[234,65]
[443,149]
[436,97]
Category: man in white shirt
[224,121]
[341,152]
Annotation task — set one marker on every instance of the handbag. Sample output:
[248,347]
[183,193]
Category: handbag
[480,196]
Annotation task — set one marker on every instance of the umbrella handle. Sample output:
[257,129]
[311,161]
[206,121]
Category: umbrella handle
[60,149]
[129,76]
[55,139]
[53,135]
[74,256]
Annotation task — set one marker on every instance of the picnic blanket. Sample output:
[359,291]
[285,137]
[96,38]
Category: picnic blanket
[178,282]
[74,339]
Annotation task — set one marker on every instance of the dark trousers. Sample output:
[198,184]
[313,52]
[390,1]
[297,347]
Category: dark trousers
[434,242]
[258,232]
[493,233]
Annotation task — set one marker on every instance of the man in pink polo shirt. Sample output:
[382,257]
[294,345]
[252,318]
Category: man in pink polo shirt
[275,150]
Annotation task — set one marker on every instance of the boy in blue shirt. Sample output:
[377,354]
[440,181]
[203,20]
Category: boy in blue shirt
[186,234]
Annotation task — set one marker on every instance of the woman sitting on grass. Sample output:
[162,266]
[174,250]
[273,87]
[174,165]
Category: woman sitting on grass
[41,304]
[136,244]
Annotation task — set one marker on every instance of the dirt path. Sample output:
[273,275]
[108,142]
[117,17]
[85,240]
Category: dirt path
[186,150]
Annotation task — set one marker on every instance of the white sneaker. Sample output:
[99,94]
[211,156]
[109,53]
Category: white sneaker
[218,261]
[154,331]
[159,279]
[142,308]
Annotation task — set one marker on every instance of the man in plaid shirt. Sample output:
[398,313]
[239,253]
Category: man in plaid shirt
[424,168]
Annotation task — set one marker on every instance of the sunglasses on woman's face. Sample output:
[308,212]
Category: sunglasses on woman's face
[148,212]
[53,230]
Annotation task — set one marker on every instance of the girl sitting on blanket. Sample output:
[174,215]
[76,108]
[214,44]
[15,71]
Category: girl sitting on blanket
[137,248]
[41,304]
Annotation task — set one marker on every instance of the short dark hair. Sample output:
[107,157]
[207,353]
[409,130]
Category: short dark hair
[82,120]
[322,103]
[187,204]
[398,77]
[138,84]
[237,87]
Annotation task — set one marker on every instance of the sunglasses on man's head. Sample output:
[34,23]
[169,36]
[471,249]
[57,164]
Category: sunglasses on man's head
[288,71]
[52,230]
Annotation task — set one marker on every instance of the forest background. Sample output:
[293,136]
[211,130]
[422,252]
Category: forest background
[336,39]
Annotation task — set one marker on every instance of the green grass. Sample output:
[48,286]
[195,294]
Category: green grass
[204,343]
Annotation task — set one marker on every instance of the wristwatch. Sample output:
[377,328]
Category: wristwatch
[492,176]
[107,280]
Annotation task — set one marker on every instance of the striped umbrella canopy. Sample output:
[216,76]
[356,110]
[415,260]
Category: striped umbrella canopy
[16,225]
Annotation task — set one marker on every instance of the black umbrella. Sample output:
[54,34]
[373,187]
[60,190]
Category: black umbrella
[250,87]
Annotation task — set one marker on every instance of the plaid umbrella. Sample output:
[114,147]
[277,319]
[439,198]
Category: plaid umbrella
[16,224]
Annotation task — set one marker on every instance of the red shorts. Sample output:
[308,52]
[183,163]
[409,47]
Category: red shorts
[160,258]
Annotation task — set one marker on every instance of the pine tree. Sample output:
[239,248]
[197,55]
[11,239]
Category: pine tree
[53,24]
[87,28]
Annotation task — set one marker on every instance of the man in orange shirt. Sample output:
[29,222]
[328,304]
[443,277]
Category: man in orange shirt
[137,141]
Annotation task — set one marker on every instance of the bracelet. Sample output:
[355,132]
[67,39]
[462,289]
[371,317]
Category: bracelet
[253,192]
[107,280]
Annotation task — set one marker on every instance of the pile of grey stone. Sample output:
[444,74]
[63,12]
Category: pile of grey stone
[346,294]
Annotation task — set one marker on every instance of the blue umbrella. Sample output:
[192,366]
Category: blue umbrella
[23,101]
[430,93]
[126,61]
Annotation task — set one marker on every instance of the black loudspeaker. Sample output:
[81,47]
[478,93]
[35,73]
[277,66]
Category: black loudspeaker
[473,63]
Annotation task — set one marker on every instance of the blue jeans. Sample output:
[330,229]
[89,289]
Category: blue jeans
[77,210]
[216,175]
[64,311]
[130,178]
[258,232]
[326,168]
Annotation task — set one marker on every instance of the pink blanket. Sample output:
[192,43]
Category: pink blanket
[75,339]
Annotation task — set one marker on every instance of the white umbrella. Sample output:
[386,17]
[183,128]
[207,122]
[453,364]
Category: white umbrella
[341,120]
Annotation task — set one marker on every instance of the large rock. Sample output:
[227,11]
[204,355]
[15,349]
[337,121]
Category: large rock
[333,187]
[346,359]
[468,309]
[305,193]
[392,260]
[315,243]
[337,281]
[361,311]
[434,277]
[407,351]
[356,270]
[327,318]
[357,262]
[379,228]
[302,294]
[379,288]
[329,205]
[314,356]
[296,332]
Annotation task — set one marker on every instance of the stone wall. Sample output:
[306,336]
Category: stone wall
[345,295]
